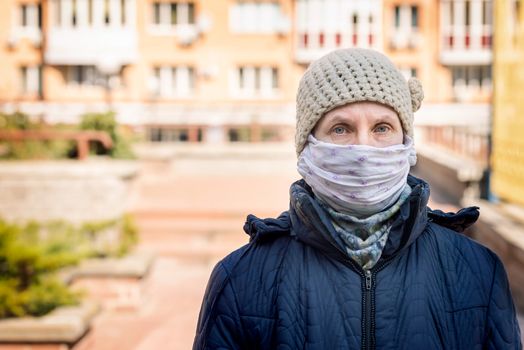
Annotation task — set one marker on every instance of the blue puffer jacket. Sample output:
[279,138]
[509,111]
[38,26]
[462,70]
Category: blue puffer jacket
[292,287]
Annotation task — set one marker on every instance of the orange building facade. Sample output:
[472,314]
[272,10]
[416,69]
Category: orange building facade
[224,70]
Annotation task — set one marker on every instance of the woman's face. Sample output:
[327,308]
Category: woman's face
[360,123]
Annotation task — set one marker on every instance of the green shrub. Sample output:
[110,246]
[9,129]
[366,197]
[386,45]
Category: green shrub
[106,122]
[30,149]
[27,269]
[38,299]
[63,149]
[123,230]
[32,254]
[129,234]
[16,120]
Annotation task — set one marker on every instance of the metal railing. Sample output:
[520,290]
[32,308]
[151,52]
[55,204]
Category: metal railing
[81,138]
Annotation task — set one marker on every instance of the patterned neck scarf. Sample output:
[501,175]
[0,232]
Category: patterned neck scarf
[364,239]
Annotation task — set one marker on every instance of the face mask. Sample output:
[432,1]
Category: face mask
[357,180]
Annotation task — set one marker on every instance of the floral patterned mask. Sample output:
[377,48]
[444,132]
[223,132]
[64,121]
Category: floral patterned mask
[357,180]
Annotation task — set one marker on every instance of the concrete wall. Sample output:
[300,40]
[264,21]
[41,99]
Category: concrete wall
[78,191]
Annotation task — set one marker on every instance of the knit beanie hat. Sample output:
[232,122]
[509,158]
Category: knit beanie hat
[352,75]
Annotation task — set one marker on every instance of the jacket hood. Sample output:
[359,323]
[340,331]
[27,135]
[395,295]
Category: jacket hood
[266,229]
[310,223]
[458,221]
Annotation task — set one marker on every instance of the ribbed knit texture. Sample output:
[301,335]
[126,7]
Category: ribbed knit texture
[353,75]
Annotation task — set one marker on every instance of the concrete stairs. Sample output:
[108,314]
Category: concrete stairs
[196,237]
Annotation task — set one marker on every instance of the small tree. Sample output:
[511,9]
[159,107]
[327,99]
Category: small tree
[30,149]
[107,122]
[28,285]
[32,254]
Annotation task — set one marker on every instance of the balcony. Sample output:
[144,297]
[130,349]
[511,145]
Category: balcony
[311,46]
[462,45]
[91,46]
[33,34]
[402,39]
[307,55]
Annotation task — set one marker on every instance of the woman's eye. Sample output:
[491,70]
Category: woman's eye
[382,128]
[339,130]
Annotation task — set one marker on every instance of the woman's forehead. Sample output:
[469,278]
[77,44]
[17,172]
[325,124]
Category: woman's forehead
[355,111]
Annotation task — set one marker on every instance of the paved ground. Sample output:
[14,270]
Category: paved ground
[190,211]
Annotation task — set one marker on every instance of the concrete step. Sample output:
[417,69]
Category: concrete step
[191,252]
[176,225]
[193,237]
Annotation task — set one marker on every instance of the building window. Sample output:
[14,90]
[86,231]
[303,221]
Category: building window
[175,134]
[255,17]
[257,81]
[171,14]
[31,80]
[83,76]
[406,27]
[466,24]
[325,25]
[239,134]
[408,72]
[30,16]
[470,79]
[274,79]
[28,23]
[124,12]
[487,13]
[83,13]
[171,81]
[370,35]
[414,17]
[107,12]
[354,21]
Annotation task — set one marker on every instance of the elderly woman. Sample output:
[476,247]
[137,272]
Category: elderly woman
[358,261]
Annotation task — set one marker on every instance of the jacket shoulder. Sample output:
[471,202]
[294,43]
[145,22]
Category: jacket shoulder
[459,243]
[256,256]
[461,251]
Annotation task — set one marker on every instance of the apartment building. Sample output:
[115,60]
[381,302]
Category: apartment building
[224,70]
[186,70]
[410,30]
[322,26]
[508,107]
[466,46]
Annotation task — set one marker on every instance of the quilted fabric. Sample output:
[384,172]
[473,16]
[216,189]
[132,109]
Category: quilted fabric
[291,287]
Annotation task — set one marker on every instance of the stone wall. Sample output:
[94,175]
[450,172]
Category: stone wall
[76,191]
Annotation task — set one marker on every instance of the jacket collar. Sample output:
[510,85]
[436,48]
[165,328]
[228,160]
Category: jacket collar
[309,222]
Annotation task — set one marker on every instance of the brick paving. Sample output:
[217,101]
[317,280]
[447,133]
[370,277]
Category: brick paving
[190,213]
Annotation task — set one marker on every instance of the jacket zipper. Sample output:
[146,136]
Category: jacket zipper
[367,305]
[368,300]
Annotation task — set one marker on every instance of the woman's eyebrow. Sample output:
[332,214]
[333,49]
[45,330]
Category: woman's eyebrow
[339,119]
[384,118]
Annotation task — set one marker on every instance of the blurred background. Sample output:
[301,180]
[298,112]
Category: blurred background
[136,135]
